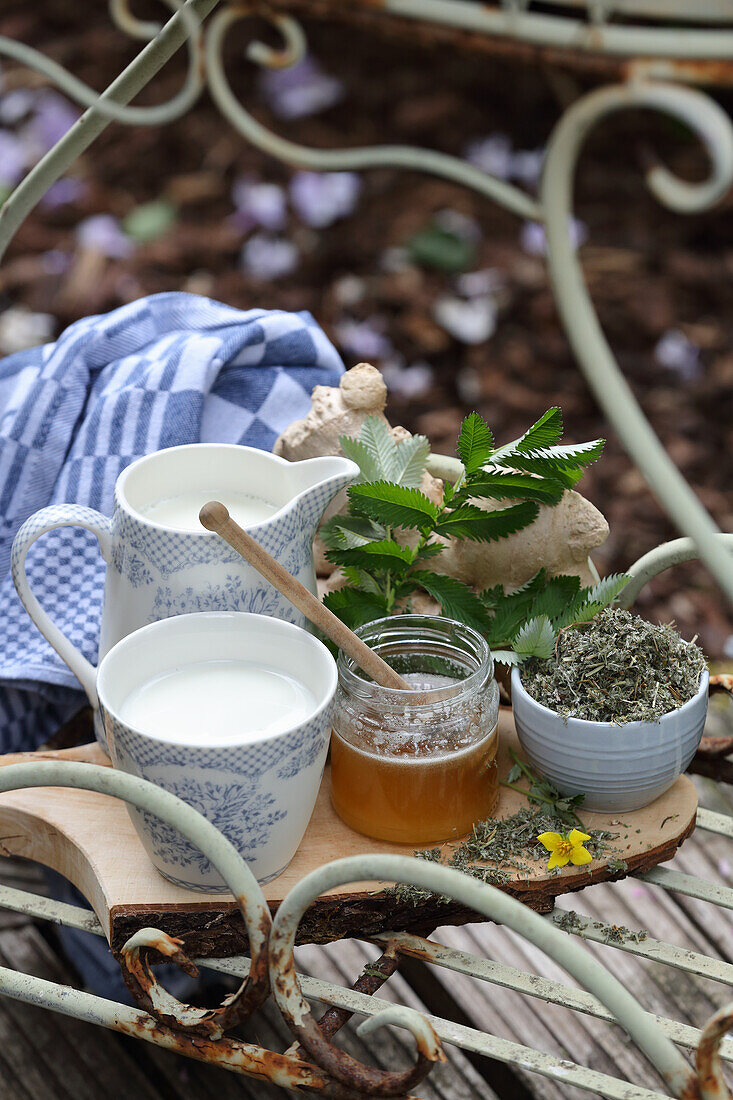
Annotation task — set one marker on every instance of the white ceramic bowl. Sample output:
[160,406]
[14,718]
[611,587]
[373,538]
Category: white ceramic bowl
[259,792]
[617,767]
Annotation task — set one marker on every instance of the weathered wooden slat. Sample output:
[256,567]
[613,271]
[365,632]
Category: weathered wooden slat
[84,1059]
[551,1027]
[341,963]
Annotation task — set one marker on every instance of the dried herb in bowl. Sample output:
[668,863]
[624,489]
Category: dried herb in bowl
[616,668]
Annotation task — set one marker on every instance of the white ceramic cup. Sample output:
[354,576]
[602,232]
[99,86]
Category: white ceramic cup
[155,571]
[260,792]
[616,767]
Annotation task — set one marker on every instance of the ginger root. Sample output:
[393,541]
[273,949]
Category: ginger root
[560,539]
[336,411]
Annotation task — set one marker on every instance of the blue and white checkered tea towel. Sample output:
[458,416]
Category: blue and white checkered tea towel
[165,370]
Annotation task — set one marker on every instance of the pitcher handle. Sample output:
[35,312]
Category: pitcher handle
[48,519]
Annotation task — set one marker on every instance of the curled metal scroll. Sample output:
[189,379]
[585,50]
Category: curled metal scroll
[482,898]
[125,87]
[223,855]
[376,156]
[713,127]
[657,560]
[81,93]
[709,1069]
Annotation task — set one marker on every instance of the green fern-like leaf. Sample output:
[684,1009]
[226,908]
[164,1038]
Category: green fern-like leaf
[543,433]
[509,611]
[384,556]
[430,550]
[535,639]
[475,443]
[492,597]
[363,456]
[358,578]
[410,461]
[456,599]
[377,438]
[470,522]
[341,531]
[355,607]
[555,462]
[394,505]
[506,657]
[555,598]
[498,485]
[589,602]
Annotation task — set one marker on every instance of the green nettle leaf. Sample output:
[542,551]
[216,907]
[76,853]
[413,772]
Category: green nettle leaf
[475,443]
[508,618]
[430,550]
[553,461]
[515,773]
[341,532]
[555,598]
[359,579]
[359,453]
[355,607]
[608,588]
[410,461]
[394,505]
[505,657]
[377,438]
[492,597]
[535,639]
[498,485]
[456,599]
[380,573]
[470,522]
[384,556]
[589,602]
[351,540]
[543,433]
[330,532]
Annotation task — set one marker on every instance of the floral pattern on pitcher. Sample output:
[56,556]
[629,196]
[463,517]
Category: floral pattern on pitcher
[233,595]
[131,566]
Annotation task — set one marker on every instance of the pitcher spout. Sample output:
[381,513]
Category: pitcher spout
[316,481]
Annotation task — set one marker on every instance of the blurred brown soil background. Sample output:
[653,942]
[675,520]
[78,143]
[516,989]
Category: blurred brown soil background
[649,271]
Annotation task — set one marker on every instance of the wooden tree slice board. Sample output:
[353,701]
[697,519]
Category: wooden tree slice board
[90,839]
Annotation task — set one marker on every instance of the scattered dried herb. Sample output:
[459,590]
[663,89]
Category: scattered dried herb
[497,848]
[541,790]
[569,921]
[619,933]
[618,866]
[616,668]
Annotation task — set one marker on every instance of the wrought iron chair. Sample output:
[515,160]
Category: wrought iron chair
[647,53]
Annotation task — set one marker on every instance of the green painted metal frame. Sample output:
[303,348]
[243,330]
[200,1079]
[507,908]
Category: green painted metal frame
[316,1065]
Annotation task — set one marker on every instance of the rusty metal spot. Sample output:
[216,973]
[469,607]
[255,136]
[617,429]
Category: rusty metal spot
[150,945]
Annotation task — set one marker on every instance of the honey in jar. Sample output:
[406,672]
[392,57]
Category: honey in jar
[417,767]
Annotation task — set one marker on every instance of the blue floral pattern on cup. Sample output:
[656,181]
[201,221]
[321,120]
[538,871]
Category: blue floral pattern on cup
[240,790]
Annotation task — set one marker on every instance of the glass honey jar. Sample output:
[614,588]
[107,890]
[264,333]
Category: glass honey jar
[417,767]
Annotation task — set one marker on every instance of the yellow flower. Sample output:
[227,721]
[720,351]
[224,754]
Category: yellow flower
[566,848]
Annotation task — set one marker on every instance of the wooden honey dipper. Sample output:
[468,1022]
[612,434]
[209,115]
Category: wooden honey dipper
[215,517]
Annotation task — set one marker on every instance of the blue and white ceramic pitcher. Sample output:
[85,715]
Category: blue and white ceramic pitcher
[156,569]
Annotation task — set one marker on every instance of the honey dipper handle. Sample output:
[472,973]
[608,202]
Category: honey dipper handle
[215,517]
